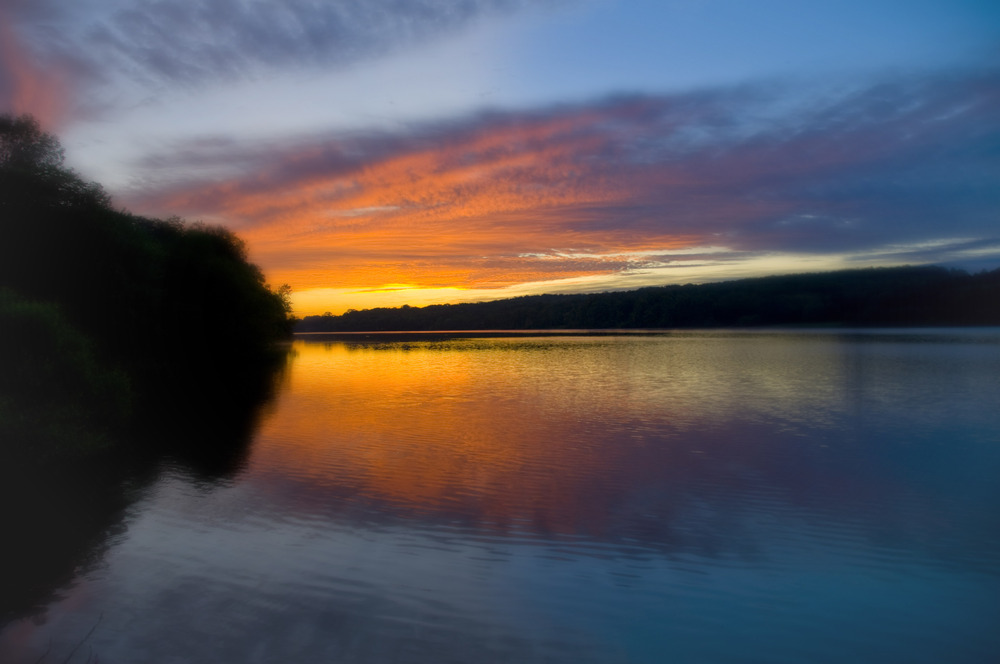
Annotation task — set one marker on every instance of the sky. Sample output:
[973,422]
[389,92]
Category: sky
[393,152]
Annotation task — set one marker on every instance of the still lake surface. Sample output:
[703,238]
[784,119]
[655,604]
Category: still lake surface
[826,496]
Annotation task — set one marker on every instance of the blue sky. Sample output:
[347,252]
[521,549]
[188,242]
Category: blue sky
[391,152]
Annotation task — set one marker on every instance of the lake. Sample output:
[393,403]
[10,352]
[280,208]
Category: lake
[769,496]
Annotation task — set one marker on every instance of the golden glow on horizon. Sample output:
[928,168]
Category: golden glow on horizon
[311,302]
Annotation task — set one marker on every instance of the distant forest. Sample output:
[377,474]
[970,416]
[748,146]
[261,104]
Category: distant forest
[108,318]
[899,296]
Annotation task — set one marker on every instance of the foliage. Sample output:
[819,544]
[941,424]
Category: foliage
[32,165]
[56,399]
[175,307]
[877,296]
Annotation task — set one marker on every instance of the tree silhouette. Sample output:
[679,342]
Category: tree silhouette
[876,296]
[143,296]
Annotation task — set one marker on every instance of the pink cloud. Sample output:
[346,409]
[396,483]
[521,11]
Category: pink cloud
[27,85]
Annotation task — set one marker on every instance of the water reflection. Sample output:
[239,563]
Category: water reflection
[666,443]
[690,497]
[55,526]
[59,520]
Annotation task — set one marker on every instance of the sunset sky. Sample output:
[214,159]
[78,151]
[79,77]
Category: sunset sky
[382,152]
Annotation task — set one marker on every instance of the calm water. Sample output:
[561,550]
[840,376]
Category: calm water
[688,497]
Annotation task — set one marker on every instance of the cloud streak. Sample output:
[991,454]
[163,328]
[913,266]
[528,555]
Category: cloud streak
[190,43]
[623,185]
[234,37]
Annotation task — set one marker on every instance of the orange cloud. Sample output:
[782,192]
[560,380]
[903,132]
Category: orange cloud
[504,200]
[463,212]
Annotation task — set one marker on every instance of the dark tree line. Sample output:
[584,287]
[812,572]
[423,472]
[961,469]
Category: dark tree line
[107,316]
[867,297]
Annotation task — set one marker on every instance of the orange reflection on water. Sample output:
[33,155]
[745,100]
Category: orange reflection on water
[460,434]
[609,438]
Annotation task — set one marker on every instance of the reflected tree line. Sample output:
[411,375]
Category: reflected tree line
[902,296]
[124,341]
